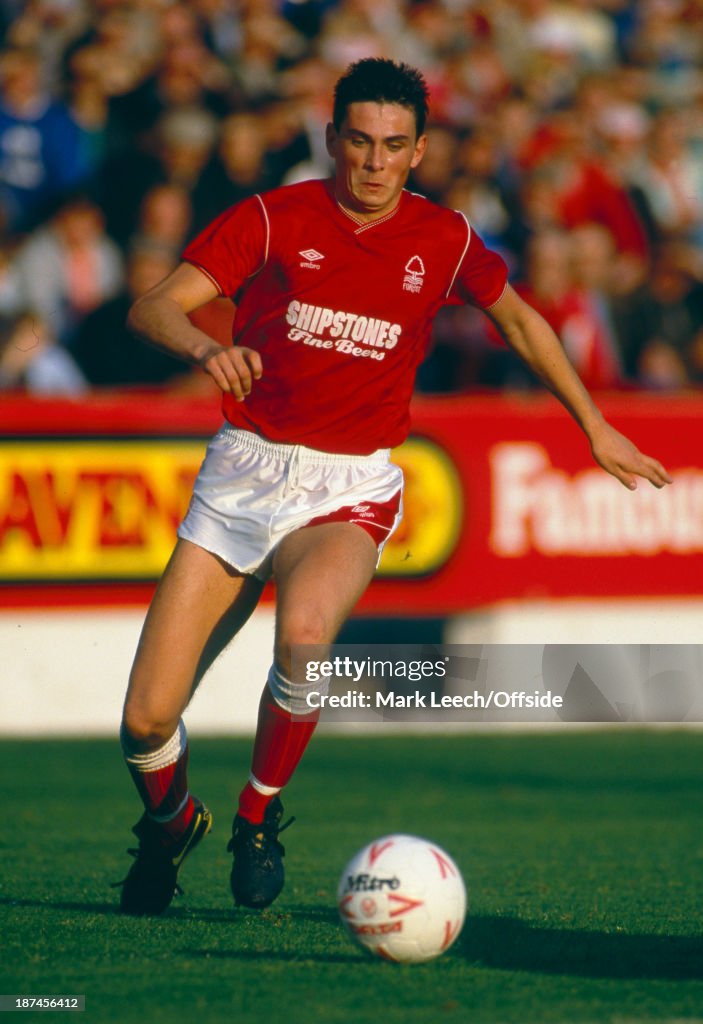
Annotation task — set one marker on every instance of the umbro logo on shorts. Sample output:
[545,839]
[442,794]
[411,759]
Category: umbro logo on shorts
[311,257]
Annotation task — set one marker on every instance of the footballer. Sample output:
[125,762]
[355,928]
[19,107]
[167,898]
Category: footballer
[336,283]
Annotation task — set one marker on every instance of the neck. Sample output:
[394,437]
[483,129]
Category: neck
[360,215]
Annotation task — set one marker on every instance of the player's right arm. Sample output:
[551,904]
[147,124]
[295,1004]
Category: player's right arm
[160,317]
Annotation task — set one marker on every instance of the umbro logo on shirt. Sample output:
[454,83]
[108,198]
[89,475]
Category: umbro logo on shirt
[310,258]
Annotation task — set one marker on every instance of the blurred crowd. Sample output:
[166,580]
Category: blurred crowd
[570,132]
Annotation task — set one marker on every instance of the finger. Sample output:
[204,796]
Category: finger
[662,475]
[656,480]
[625,474]
[225,376]
[240,366]
[620,469]
[655,472]
[214,369]
[254,362]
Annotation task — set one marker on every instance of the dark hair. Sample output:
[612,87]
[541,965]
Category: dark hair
[379,80]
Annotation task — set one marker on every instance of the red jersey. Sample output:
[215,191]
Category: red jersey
[339,310]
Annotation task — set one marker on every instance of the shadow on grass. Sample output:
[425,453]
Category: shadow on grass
[499,943]
[49,904]
[274,955]
[174,913]
[322,914]
[506,943]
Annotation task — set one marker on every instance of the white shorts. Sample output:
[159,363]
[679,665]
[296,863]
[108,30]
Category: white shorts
[251,493]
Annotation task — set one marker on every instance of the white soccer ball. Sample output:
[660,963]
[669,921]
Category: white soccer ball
[402,898]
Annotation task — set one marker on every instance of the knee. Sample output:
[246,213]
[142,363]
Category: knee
[298,629]
[304,626]
[144,728]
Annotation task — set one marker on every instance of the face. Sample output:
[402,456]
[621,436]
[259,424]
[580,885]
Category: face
[374,151]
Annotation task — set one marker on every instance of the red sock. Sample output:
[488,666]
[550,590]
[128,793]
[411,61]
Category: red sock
[281,739]
[161,778]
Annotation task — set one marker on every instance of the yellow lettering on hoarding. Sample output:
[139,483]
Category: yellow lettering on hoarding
[92,510]
[109,510]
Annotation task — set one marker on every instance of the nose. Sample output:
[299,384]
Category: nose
[374,156]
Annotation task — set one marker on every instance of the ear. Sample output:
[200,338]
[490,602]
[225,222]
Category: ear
[331,140]
[420,147]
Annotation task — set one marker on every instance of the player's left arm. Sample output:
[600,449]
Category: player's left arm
[535,342]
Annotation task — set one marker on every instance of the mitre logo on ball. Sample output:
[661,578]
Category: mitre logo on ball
[370,883]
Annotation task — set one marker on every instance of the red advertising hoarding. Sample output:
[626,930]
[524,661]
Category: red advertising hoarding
[502,501]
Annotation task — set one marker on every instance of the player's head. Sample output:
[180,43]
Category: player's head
[378,80]
[377,135]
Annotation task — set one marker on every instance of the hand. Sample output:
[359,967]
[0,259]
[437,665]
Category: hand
[617,455]
[233,369]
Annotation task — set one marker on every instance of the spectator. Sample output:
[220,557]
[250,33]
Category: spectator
[185,75]
[287,141]
[105,64]
[89,104]
[621,130]
[549,286]
[30,359]
[594,272]
[12,296]
[368,26]
[435,174]
[177,154]
[165,217]
[238,169]
[477,188]
[675,321]
[41,145]
[221,26]
[106,352]
[577,28]
[671,179]
[69,267]
[583,192]
[550,116]
[305,88]
[268,44]
[47,27]
[661,368]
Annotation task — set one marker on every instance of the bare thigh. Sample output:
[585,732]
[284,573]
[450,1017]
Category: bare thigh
[199,605]
[320,572]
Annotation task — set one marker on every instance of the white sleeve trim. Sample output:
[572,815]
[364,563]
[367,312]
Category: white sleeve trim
[496,301]
[268,234]
[203,270]
[461,258]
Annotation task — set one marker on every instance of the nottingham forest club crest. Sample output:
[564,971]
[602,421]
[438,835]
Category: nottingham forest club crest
[414,275]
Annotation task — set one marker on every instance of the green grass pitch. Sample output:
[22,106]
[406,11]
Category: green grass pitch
[582,852]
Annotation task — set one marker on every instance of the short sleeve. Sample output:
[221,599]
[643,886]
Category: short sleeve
[233,247]
[481,277]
